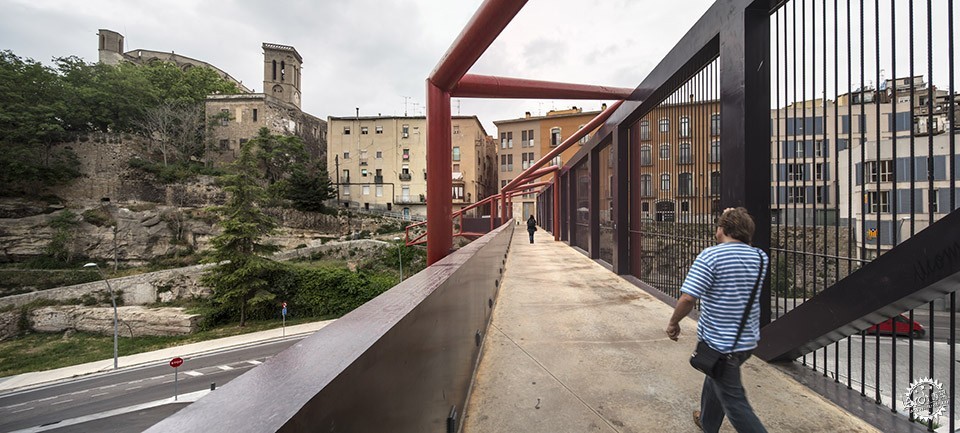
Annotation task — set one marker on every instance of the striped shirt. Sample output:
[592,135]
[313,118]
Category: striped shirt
[722,277]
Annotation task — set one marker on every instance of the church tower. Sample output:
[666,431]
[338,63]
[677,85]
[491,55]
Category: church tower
[110,47]
[281,73]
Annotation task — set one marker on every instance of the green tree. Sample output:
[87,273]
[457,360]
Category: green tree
[278,155]
[61,246]
[241,277]
[308,190]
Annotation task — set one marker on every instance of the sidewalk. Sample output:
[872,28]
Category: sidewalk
[189,350]
[574,348]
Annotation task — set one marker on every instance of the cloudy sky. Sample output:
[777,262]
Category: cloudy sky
[371,54]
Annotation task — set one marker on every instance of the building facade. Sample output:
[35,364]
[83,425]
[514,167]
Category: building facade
[379,163]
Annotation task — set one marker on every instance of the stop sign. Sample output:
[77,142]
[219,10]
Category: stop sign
[176,362]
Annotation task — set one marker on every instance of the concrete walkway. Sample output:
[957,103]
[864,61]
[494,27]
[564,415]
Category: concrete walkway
[574,348]
[37,378]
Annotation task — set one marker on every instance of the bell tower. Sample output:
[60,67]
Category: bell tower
[281,72]
[110,47]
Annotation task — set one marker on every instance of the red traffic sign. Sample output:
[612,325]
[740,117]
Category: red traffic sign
[176,362]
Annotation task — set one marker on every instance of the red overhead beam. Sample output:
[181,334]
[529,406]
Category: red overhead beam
[485,86]
[487,23]
[540,172]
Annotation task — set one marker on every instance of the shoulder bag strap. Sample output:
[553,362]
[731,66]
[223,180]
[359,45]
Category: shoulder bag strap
[746,311]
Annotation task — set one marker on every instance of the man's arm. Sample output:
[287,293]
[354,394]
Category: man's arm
[684,306]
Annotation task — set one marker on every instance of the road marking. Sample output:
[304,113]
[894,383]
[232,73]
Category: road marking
[23,410]
[133,388]
[136,381]
[225,367]
[108,386]
[157,377]
[98,395]
[61,402]
[80,392]
[254,362]
[14,405]
[169,381]
[48,398]
[193,373]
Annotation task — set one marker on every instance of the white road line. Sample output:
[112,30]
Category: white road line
[193,373]
[157,377]
[48,398]
[80,392]
[23,410]
[169,381]
[107,386]
[13,405]
[98,395]
[225,367]
[136,381]
[133,388]
[254,362]
[61,402]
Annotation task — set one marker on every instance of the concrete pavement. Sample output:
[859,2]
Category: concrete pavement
[574,348]
[38,378]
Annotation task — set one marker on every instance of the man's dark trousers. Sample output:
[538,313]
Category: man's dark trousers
[726,396]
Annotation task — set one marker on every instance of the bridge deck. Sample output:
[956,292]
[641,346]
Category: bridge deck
[574,348]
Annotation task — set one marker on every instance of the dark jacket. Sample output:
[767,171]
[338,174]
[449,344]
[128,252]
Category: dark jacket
[531,225]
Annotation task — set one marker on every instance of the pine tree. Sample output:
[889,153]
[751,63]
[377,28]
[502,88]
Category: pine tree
[239,279]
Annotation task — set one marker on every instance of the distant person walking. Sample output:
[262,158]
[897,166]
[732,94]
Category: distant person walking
[531,227]
[724,277]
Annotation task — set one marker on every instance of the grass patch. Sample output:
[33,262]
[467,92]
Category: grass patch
[39,352]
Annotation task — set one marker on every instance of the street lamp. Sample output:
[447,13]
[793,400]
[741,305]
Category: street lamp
[113,300]
[400,256]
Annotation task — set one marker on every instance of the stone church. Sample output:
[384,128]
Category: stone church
[277,108]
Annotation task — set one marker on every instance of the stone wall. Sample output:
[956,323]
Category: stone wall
[133,321]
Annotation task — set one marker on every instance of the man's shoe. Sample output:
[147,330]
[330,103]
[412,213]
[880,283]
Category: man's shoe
[696,419]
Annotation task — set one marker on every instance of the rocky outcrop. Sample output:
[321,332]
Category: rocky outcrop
[133,321]
[9,324]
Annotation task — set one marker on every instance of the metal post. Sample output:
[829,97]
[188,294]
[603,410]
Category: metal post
[556,206]
[176,380]
[439,175]
[113,300]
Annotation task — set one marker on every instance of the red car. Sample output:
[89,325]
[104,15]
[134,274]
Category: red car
[899,325]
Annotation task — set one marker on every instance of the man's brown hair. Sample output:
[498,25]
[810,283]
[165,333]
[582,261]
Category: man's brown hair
[737,223]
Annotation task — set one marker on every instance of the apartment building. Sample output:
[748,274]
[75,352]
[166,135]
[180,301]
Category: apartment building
[525,140]
[380,162]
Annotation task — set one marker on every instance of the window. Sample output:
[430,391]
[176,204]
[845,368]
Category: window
[346,190]
[366,190]
[346,130]
[685,155]
[645,155]
[523,161]
[378,129]
[530,136]
[685,126]
[644,129]
[405,131]
[684,206]
[664,125]
[456,153]
[405,193]
[645,206]
[798,148]
[821,194]
[503,163]
[346,155]
[819,148]
[646,185]
[456,168]
[934,205]
[555,138]
[509,162]
[795,172]
[503,140]
[224,117]
[819,172]
[458,192]
[456,129]
[685,184]
[715,151]
[665,151]
[882,170]
[879,201]
[363,172]
[379,173]
[585,138]
[797,194]
[715,183]
[379,190]
[346,176]
[364,130]
[523,138]
[557,160]
[254,114]
[665,182]
[274,69]
[406,154]
[510,140]
[715,124]
[379,154]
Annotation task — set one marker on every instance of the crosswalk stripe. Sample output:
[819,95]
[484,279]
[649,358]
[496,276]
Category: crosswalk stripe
[193,373]
[254,362]
[225,367]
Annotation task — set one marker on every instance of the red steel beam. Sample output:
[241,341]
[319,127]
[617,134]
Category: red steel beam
[556,207]
[590,126]
[487,23]
[527,186]
[439,175]
[540,172]
[486,86]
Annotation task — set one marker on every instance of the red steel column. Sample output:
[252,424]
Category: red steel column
[556,206]
[439,175]
[503,207]
[493,211]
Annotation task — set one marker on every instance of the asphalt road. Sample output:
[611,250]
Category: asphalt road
[54,403]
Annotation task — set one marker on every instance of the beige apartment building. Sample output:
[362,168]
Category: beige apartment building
[380,163]
[525,140]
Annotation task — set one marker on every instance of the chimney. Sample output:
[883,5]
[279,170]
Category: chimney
[526,115]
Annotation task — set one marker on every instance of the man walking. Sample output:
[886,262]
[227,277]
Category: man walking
[722,277]
[531,227]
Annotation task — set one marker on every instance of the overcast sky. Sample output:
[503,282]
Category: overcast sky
[370,53]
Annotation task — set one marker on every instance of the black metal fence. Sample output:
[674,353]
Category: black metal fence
[835,123]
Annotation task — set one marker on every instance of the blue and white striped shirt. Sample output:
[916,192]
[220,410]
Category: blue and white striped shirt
[722,277]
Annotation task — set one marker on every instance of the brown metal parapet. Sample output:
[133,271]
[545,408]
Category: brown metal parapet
[398,363]
[921,269]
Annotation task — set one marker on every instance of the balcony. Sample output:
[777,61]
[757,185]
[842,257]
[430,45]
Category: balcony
[378,179]
[407,199]
[405,177]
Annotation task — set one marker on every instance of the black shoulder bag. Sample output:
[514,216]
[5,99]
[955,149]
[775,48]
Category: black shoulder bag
[710,361]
